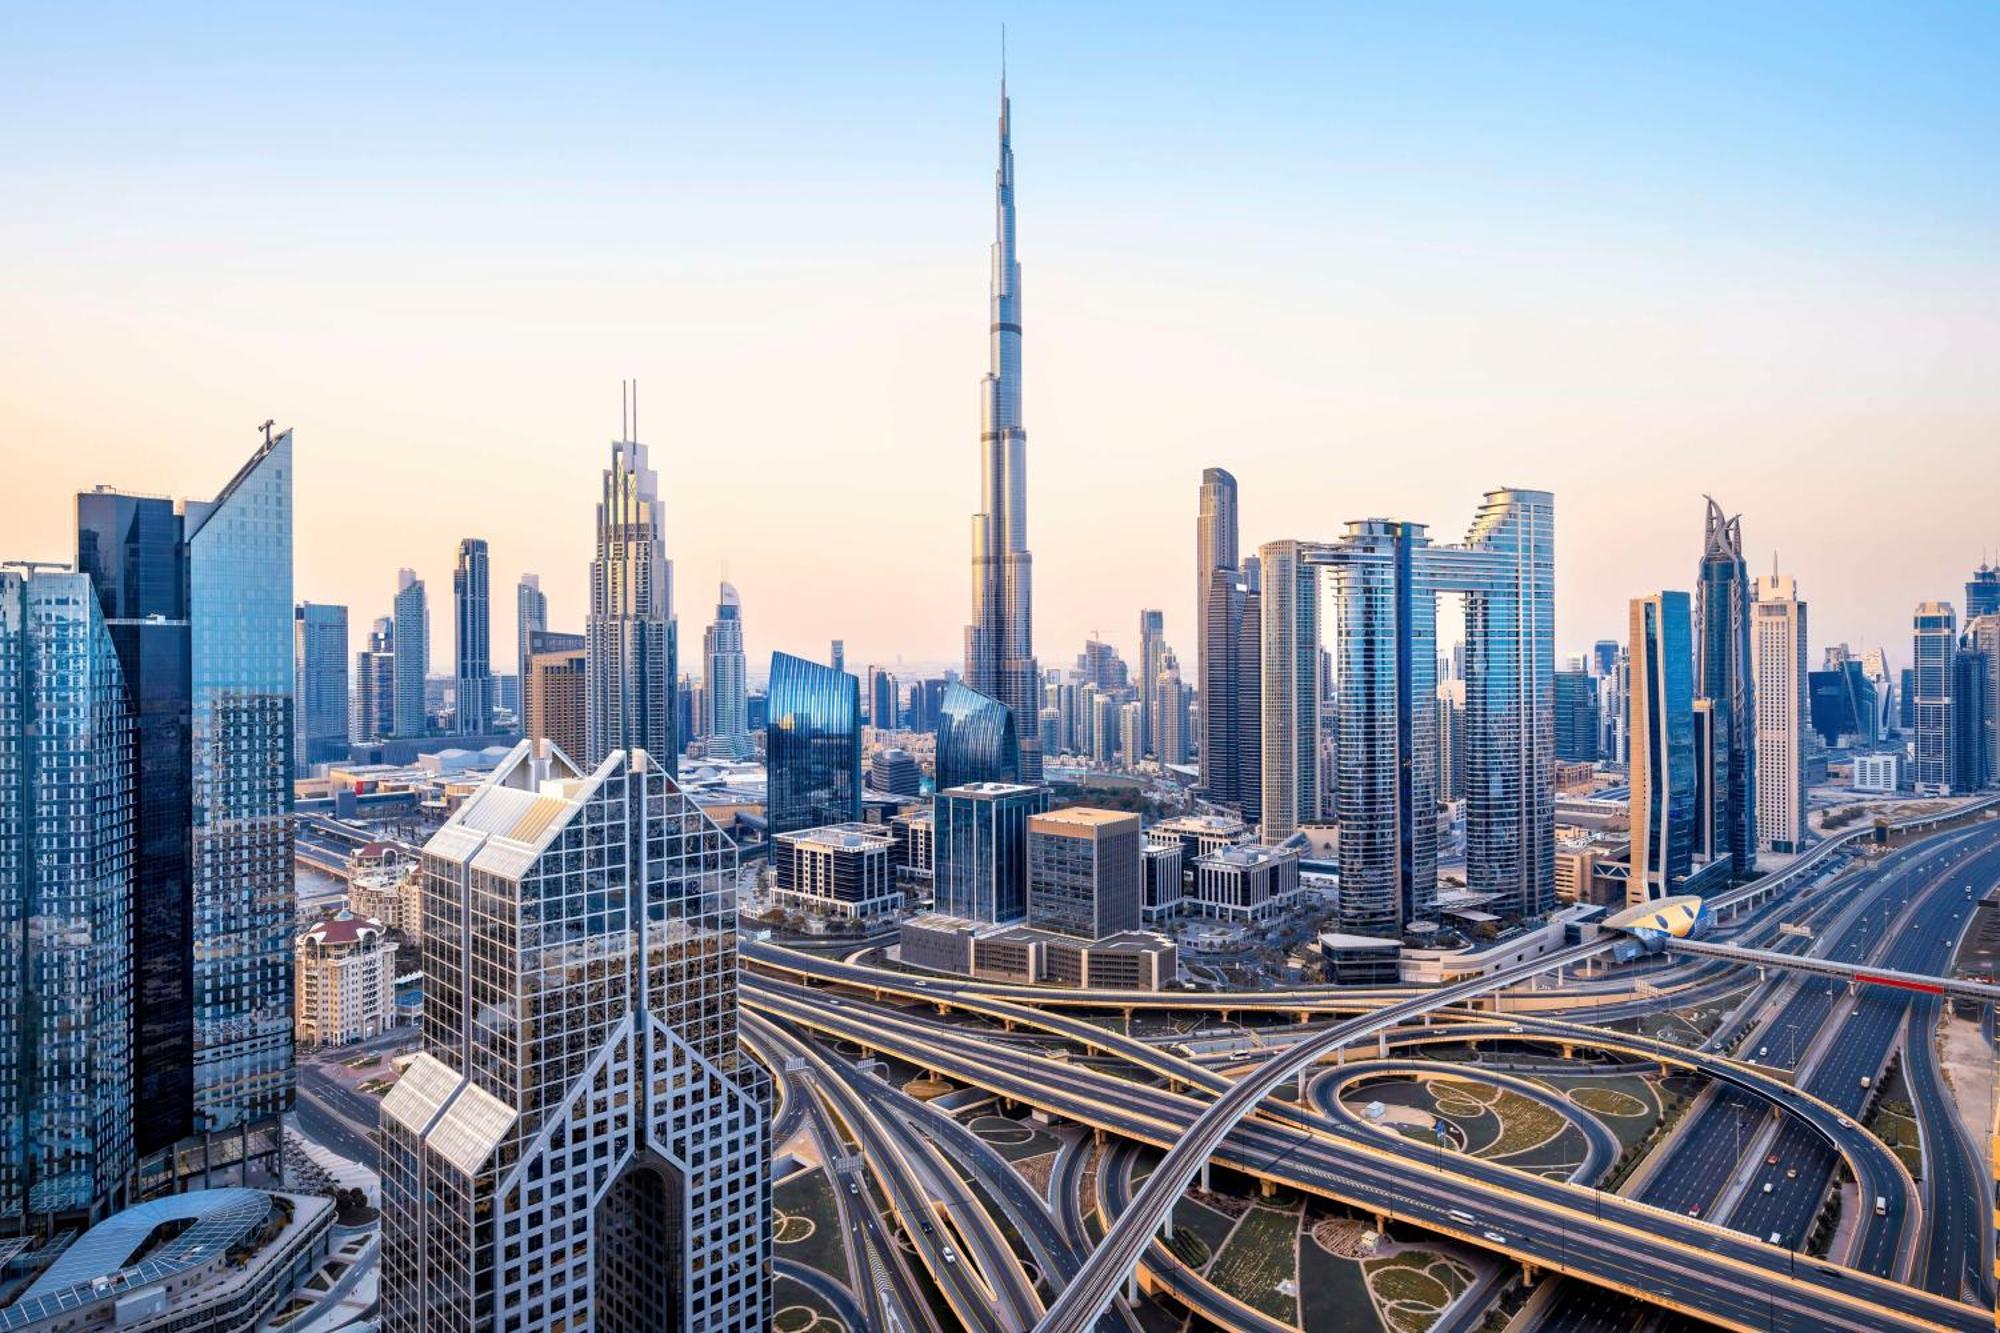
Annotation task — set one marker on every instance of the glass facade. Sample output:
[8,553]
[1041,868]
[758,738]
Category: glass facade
[131,548]
[1662,746]
[980,837]
[67,825]
[1934,645]
[1290,691]
[412,638]
[582,1142]
[239,560]
[976,740]
[1386,577]
[812,746]
[1385,656]
[319,664]
[1723,676]
[472,610]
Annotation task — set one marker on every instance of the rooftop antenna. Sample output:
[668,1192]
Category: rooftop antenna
[266,428]
[635,411]
[1003,60]
[624,410]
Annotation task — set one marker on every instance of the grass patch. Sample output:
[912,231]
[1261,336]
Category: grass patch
[807,1224]
[1261,1253]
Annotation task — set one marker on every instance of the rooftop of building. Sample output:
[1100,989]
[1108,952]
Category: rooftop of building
[1083,817]
[344,928]
[1246,855]
[990,790]
[159,1241]
[849,836]
[1202,824]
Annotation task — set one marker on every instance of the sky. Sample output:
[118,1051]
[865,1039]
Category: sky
[1374,260]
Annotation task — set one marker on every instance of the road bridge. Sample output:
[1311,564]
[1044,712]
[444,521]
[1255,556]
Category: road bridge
[1852,973]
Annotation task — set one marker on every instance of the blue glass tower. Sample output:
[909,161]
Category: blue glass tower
[239,563]
[1662,749]
[981,849]
[976,740]
[812,746]
[66,864]
[130,546]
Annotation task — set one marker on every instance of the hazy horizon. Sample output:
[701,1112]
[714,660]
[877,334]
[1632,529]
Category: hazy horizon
[1371,264]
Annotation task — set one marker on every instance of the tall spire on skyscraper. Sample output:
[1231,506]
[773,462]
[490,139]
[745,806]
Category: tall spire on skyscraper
[999,643]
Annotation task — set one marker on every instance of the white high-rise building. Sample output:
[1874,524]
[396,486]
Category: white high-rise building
[1778,665]
[583,1143]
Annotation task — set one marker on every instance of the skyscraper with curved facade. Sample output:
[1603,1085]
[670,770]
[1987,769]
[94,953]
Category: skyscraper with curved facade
[725,678]
[999,643]
[812,746]
[977,740]
[629,671]
[1724,677]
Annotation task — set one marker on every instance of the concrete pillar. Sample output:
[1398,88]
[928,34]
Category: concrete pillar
[1099,1136]
[1528,1274]
[1267,1188]
[1304,1076]
[1204,1175]
[1569,1050]
[1381,1224]
[1381,1046]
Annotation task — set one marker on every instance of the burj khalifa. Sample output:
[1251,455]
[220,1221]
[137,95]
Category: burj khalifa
[999,643]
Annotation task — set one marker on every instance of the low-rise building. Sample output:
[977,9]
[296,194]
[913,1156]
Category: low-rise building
[1131,960]
[1163,876]
[1878,772]
[208,1261]
[1246,882]
[840,870]
[344,979]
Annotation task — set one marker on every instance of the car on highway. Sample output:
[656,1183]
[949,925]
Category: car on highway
[1495,1237]
[1845,1123]
[1792,1174]
[945,1252]
[1772,1160]
[1767,1187]
[1695,1211]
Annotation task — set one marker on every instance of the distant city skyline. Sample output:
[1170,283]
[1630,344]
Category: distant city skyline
[1755,264]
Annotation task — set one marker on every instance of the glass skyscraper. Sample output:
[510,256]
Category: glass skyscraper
[472,614]
[1386,577]
[319,665]
[812,746]
[1934,645]
[199,606]
[413,652]
[1661,746]
[1289,691]
[531,613]
[583,1142]
[67,827]
[239,563]
[1723,676]
[976,740]
[981,849]
[131,547]
[725,679]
